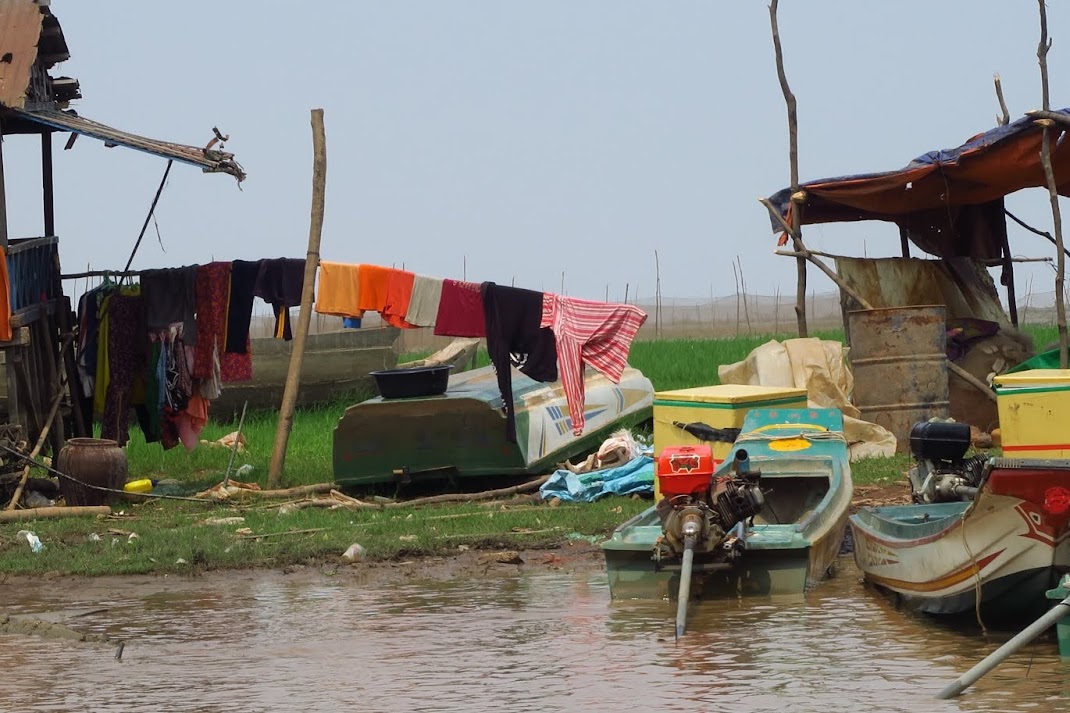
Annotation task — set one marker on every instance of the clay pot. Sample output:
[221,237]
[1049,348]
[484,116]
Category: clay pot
[93,461]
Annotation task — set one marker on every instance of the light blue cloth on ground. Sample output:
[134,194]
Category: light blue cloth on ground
[635,476]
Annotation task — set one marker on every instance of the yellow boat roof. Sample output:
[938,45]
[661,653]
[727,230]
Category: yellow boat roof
[1034,377]
[732,394]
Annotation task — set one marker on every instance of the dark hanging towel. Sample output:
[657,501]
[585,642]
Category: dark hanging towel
[514,338]
[171,296]
[127,358]
[279,283]
[240,306]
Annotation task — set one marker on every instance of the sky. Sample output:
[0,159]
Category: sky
[535,143]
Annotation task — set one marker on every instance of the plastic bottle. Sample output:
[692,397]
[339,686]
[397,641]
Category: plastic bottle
[35,542]
[143,485]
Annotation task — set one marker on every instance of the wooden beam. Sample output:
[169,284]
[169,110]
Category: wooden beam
[904,241]
[795,230]
[3,199]
[1053,189]
[46,183]
[312,259]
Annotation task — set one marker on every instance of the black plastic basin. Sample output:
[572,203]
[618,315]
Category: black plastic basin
[410,383]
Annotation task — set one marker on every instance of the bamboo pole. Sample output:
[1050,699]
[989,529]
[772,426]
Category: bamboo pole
[1053,191]
[795,230]
[53,512]
[289,396]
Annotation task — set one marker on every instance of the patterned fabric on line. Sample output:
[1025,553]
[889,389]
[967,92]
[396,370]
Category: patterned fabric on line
[593,333]
[213,291]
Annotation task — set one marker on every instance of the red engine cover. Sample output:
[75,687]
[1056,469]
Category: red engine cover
[684,470]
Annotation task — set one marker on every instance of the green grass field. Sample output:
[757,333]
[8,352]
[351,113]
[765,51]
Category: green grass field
[669,364]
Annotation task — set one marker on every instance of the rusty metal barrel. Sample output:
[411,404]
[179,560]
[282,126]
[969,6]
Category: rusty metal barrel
[898,356]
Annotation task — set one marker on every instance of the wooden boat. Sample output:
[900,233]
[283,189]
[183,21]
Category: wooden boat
[461,433]
[336,365]
[789,545]
[995,553]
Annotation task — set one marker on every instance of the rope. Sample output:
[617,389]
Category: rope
[815,436]
[101,488]
[976,573]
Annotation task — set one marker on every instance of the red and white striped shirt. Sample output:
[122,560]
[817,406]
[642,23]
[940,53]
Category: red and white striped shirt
[593,333]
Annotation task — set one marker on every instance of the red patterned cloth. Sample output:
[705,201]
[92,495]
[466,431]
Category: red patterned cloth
[593,333]
[213,295]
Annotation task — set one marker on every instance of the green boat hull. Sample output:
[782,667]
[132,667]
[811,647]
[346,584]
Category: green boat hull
[462,433]
[791,545]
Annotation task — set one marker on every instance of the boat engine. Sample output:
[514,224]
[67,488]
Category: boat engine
[941,472]
[701,510]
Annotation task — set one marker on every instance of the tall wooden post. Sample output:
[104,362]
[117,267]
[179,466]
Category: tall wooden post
[48,197]
[312,259]
[793,158]
[1053,192]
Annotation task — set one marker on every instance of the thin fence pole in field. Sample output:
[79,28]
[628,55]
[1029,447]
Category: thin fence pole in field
[607,292]
[743,284]
[562,282]
[776,312]
[735,275]
[657,295]
[626,285]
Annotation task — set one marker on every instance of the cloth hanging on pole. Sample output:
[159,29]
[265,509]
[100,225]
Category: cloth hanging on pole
[460,310]
[424,302]
[338,290]
[516,337]
[239,305]
[279,282]
[597,334]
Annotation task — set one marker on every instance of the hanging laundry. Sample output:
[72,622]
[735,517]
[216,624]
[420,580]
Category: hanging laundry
[593,333]
[374,281]
[239,305]
[126,358]
[170,297]
[460,310]
[211,361]
[5,299]
[515,337]
[102,375]
[398,296]
[279,283]
[191,421]
[423,304]
[351,322]
[338,289]
[89,315]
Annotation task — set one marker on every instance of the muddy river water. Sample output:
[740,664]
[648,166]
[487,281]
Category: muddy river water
[509,640]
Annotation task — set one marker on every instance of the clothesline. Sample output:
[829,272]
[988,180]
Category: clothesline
[545,335]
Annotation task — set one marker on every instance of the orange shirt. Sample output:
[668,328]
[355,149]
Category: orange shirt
[374,281]
[398,294]
[338,291]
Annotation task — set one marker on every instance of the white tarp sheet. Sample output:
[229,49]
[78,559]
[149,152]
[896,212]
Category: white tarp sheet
[820,367]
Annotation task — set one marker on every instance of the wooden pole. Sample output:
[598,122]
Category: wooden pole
[1053,192]
[793,158]
[3,200]
[41,438]
[293,377]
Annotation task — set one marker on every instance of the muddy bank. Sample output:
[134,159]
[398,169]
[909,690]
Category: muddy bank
[48,630]
[574,556]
